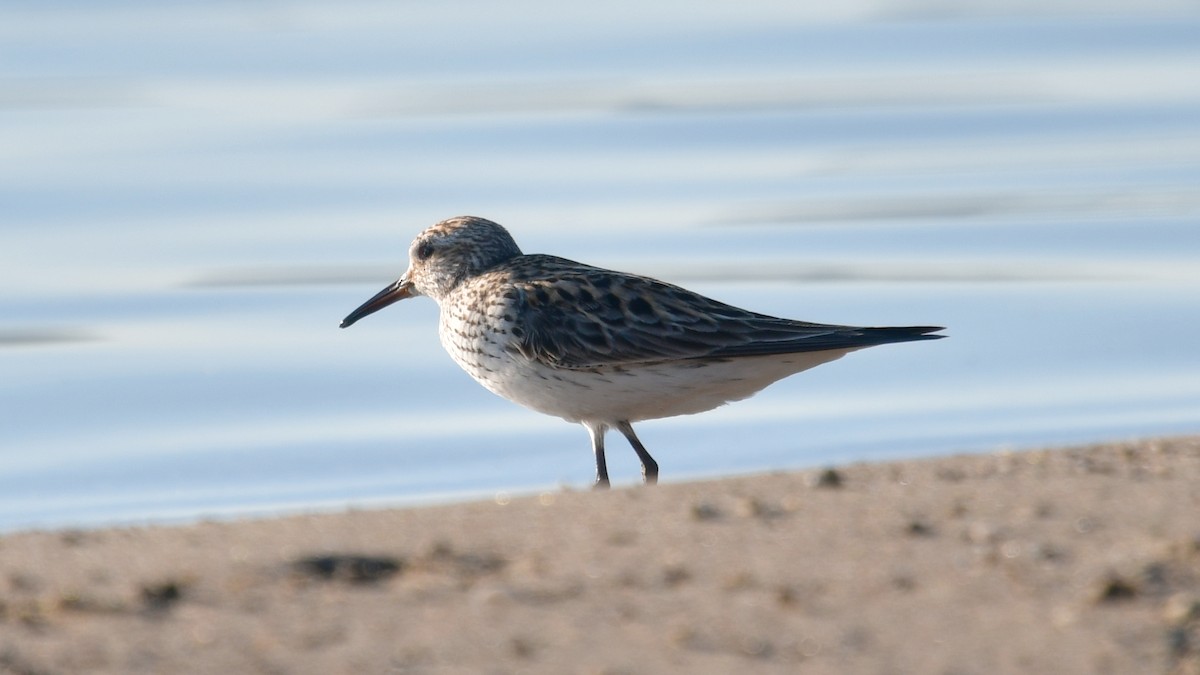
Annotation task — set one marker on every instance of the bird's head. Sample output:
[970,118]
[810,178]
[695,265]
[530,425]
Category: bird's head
[442,257]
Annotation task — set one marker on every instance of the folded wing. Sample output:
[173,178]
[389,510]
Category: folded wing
[593,318]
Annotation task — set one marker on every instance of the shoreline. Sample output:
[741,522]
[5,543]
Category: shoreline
[1075,560]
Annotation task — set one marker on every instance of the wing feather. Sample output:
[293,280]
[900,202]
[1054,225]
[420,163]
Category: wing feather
[575,316]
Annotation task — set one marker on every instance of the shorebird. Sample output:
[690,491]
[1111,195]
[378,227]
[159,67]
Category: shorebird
[597,347]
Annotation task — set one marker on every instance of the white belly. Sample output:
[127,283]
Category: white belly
[637,392]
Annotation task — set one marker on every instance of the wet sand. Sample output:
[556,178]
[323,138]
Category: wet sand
[1083,560]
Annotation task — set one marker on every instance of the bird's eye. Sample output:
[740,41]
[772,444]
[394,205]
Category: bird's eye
[424,250]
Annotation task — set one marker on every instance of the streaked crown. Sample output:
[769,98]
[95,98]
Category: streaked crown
[448,252]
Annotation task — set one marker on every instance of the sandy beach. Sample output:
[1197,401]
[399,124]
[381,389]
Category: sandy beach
[1082,560]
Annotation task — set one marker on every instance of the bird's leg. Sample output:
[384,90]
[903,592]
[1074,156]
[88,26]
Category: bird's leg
[649,466]
[597,433]
[601,470]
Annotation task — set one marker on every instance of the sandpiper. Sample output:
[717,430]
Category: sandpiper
[601,348]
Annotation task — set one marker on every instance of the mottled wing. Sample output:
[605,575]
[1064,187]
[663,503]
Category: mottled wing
[574,316]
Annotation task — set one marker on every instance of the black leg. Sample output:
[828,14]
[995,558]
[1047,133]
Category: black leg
[649,466]
[601,470]
[597,433]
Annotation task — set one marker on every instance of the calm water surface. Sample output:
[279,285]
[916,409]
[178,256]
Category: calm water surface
[192,195]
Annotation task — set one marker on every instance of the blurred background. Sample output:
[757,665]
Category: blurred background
[193,194]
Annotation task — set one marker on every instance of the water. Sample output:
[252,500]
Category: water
[192,195]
